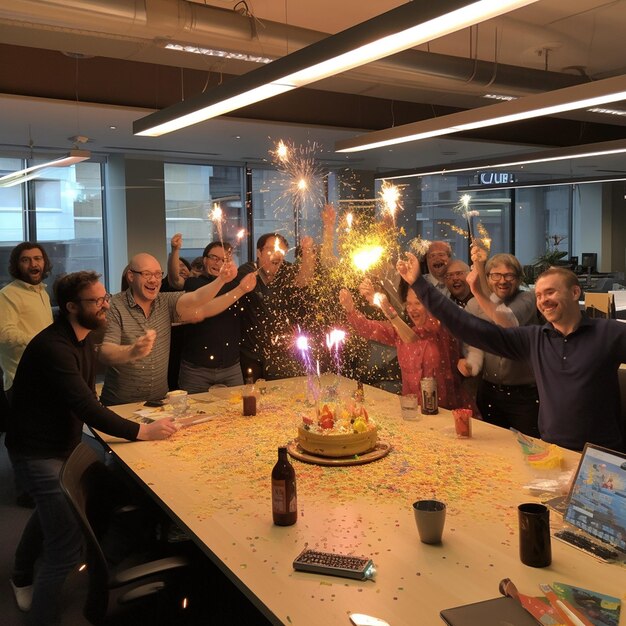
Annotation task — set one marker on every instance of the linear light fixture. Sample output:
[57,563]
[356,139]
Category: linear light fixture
[213,52]
[549,103]
[28,173]
[394,31]
[604,148]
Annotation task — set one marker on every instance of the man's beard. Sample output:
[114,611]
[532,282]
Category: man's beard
[91,321]
[27,277]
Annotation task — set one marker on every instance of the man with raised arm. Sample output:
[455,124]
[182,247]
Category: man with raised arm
[136,343]
[575,359]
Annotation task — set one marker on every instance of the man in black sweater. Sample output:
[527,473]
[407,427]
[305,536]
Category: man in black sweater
[53,395]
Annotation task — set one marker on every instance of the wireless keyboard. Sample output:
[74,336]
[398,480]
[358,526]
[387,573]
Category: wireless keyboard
[334,564]
[586,545]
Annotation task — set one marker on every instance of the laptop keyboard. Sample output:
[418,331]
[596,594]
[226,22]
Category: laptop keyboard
[586,545]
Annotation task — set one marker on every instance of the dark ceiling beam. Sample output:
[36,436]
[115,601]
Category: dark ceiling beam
[42,73]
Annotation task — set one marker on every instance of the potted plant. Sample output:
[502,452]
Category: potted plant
[551,257]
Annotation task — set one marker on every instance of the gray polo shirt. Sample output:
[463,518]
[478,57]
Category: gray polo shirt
[145,379]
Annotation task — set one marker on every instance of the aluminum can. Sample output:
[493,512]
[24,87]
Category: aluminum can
[430,404]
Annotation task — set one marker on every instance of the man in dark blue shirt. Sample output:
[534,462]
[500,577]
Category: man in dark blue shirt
[575,359]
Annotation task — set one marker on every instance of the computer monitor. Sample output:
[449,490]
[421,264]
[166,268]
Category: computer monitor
[597,499]
[589,261]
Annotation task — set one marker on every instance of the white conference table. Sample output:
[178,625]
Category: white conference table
[214,478]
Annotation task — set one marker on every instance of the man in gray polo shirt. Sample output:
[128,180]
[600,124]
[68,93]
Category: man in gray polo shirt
[137,340]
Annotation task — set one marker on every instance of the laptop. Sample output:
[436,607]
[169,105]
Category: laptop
[497,612]
[596,505]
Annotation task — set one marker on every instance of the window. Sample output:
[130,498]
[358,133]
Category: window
[61,208]
[190,194]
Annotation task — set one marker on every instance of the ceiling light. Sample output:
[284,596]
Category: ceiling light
[394,31]
[537,105]
[28,173]
[222,54]
[607,111]
[498,96]
[605,148]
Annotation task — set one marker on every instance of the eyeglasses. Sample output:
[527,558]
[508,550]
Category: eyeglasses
[459,274]
[148,275]
[496,276]
[97,301]
[215,258]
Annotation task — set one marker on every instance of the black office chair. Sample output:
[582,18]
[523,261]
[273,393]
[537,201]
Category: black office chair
[113,591]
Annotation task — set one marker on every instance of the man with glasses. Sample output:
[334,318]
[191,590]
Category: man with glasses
[507,394]
[136,343]
[210,352]
[24,311]
[455,280]
[53,394]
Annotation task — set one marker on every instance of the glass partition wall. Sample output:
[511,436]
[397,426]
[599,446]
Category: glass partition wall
[62,208]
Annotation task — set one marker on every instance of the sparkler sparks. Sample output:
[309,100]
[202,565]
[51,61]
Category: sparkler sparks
[378,299]
[463,208]
[217,215]
[419,246]
[366,257]
[334,341]
[389,196]
[302,175]
[349,220]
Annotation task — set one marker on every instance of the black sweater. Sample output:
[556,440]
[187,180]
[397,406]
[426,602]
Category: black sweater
[53,395]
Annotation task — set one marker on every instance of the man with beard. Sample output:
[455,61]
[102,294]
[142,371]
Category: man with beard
[437,259]
[25,311]
[24,305]
[53,394]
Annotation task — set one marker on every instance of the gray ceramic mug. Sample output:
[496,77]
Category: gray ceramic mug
[430,517]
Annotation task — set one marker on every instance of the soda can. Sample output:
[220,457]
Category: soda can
[430,404]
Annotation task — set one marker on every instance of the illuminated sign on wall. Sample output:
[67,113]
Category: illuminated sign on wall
[495,178]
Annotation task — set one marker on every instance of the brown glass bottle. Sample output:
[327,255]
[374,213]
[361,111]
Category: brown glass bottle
[284,502]
[249,397]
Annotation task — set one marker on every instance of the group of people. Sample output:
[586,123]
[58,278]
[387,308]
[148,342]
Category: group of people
[461,326]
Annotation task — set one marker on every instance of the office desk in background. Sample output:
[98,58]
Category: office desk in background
[214,478]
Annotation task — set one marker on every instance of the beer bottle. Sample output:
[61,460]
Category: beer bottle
[249,396]
[284,503]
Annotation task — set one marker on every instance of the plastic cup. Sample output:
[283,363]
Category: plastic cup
[178,400]
[409,406]
[463,422]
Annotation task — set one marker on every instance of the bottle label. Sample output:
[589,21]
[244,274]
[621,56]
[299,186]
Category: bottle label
[280,502]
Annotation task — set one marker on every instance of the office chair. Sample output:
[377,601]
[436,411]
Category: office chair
[113,591]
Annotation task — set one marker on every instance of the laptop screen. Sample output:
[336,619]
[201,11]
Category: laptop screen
[597,500]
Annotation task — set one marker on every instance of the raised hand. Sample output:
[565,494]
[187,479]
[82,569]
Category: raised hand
[248,282]
[228,271]
[346,301]
[478,254]
[176,242]
[366,289]
[409,269]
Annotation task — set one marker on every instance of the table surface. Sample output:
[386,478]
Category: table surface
[214,478]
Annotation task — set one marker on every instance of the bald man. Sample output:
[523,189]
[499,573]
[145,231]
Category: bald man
[136,343]
[455,280]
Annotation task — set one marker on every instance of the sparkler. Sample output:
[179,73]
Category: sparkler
[467,214]
[390,198]
[420,246]
[378,299]
[366,257]
[302,344]
[217,215]
[303,180]
[349,219]
[335,340]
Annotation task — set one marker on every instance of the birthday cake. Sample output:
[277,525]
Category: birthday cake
[338,431]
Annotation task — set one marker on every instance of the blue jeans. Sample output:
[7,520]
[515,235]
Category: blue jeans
[196,379]
[52,535]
